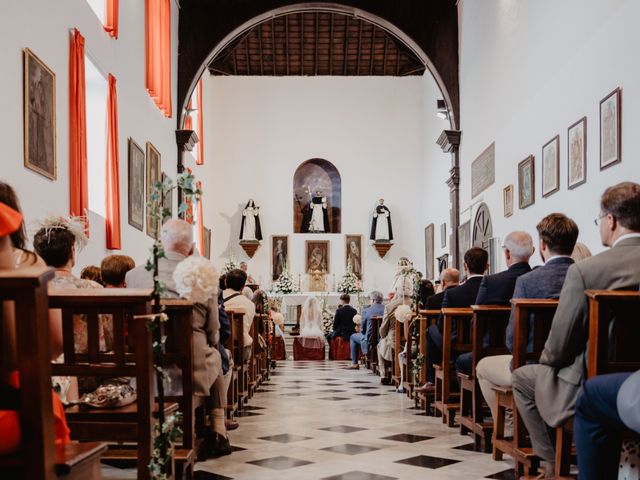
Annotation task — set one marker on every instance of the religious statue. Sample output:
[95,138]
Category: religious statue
[317,217]
[250,229]
[381,226]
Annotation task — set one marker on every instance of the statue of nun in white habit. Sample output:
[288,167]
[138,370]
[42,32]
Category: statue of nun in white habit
[381,226]
[250,229]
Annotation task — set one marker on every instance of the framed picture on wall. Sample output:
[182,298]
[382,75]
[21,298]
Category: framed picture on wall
[429,250]
[153,176]
[353,253]
[551,166]
[443,235]
[136,193]
[317,256]
[207,243]
[464,239]
[507,200]
[39,116]
[577,153]
[279,255]
[610,130]
[526,182]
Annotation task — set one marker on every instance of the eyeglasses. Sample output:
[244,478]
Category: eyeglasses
[599,219]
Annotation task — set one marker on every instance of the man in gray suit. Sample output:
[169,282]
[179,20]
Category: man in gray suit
[557,237]
[546,393]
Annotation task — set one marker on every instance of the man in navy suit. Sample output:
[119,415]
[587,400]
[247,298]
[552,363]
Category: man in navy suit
[343,325]
[558,235]
[475,264]
[497,289]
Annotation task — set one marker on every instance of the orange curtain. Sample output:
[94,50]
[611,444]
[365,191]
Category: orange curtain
[113,177]
[158,53]
[200,217]
[78,189]
[188,121]
[111,18]
[200,158]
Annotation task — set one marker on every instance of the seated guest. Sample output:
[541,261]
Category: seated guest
[311,319]
[462,296]
[363,338]
[245,268]
[14,256]
[427,290]
[497,289]
[234,299]
[343,325]
[546,393]
[580,252]
[450,277]
[113,270]
[557,237]
[401,294]
[606,406]
[176,237]
[92,272]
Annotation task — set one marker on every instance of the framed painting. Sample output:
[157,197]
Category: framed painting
[507,200]
[39,116]
[577,153]
[353,253]
[464,239]
[279,255]
[317,256]
[610,129]
[429,250]
[443,235]
[153,176]
[526,182]
[136,185]
[551,166]
[167,199]
[207,243]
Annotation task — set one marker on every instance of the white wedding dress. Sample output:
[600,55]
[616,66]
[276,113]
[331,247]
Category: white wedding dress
[311,319]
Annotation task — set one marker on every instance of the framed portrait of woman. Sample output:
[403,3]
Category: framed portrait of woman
[317,256]
[526,182]
[577,146]
[279,255]
[610,129]
[551,166]
[353,254]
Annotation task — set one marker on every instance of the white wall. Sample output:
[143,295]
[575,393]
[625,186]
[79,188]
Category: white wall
[259,129]
[43,26]
[528,70]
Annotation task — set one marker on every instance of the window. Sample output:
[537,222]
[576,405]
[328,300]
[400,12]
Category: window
[98,8]
[96,85]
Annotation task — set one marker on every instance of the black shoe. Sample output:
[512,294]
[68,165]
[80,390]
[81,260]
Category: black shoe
[217,446]
[385,381]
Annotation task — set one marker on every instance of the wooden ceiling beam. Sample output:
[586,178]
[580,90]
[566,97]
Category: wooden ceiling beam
[273,45]
[286,41]
[301,43]
[384,55]
[373,41]
[246,49]
[315,53]
[346,44]
[330,43]
[359,47]
[260,49]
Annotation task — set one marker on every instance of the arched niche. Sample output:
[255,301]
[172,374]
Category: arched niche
[314,175]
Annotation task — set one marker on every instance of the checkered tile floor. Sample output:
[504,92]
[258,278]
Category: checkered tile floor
[315,420]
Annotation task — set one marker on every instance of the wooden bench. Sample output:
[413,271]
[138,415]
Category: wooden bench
[426,319]
[542,311]
[131,357]
[489,322]
[614,329]
[447,401]
[234,342]
[39,457]
[372,356]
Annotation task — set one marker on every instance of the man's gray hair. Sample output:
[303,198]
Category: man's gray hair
[376,296]
[177,235]
[520,244]
[450,275]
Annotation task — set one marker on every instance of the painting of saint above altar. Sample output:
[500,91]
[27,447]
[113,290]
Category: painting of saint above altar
[317,198]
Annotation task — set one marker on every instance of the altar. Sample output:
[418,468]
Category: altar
[292,303]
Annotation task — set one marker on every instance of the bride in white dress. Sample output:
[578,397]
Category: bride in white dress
[311,319]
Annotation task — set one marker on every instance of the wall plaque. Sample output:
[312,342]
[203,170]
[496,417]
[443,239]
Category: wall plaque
[483,170]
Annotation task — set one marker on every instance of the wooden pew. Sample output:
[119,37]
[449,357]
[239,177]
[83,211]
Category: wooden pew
[614,329]
[39,457]
[518,447]
[236,346]
[397,348]
[374,325]
[131,357]
[426,319]
[491,321]
[447,402]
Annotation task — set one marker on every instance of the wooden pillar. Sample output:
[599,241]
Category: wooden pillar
[449,141]
[186,140]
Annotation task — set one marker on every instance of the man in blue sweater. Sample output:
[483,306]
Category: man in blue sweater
[363,338]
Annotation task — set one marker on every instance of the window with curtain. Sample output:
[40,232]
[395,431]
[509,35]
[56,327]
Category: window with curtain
[158,53]
[112,199]
[96,87]
[107,13]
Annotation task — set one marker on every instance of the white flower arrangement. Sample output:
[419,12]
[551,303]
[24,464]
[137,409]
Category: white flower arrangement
[327,316]
[403,313]
[349,282]
[285,283]
[231,264]
[196,279]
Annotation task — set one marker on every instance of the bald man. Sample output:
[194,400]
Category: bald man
[449,277]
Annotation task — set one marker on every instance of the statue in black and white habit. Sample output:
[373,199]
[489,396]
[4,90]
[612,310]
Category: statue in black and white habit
[317,217]
[250,229]
[381,226]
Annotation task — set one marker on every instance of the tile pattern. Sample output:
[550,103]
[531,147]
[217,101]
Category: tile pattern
[294,429]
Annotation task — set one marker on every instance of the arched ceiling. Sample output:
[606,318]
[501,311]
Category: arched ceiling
[316,43]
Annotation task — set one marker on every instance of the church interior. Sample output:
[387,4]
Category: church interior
[350,240]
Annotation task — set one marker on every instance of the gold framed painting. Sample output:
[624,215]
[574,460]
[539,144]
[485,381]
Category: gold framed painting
[577,153]
[39,116]
[317,256]
[507,200]
[353,253]
[526,182]
[136,190]
[153,176]
[610,129]
[551,167]
[279,255]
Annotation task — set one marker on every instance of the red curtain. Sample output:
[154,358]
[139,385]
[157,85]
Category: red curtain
[200,157]
[200,217]
[158,53]
[188,121]
[113,177]
[78,190]
[111,17]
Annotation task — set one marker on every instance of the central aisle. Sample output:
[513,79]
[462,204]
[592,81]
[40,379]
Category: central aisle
[315,420]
